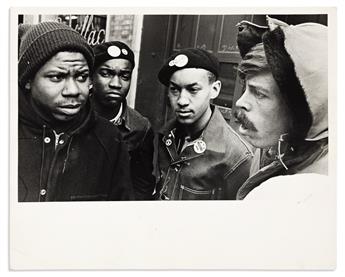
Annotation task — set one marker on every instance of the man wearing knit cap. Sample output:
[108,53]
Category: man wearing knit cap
[66,152]
[283,110]
[200,156]
[114,63]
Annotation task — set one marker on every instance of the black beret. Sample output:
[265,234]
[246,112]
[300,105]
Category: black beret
[188,58]
[112,50]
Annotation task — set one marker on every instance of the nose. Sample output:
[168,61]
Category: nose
[243,102]
[115,82]
[183,99]
[71,88]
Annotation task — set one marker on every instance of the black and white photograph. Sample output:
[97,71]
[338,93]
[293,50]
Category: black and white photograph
[115,113]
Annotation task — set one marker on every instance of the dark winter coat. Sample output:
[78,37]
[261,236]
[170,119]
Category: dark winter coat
[88,162]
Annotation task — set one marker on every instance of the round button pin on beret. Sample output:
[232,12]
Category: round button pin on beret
[114,51]
[181,60]
[124,51]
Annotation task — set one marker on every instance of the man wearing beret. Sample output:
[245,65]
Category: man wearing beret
[200,156]
[114,63]
[66,151]
[284,109]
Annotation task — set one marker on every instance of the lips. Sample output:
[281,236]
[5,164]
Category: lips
[70,109]
[183,113]
[114,94]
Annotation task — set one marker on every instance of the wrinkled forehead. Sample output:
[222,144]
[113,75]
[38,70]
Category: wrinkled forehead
[66,61]
[68,57]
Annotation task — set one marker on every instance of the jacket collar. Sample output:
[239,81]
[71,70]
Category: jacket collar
[214,126]
[29,116]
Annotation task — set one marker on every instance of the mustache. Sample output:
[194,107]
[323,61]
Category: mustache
[243,120]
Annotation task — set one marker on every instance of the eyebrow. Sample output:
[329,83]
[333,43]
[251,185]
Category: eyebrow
[188,85]
[113,69]
[255,86]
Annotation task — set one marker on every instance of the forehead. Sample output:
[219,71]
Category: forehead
[263,80]
[189,76]
[66,58]
[117,63]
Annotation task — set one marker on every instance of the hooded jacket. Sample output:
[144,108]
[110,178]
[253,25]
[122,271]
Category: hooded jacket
[87,162]
[297,56]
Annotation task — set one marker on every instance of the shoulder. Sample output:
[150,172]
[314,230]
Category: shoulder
[137,119]
[105,130]
[229,136]
[298,187]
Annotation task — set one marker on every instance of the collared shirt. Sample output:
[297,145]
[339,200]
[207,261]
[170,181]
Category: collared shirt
[117,120]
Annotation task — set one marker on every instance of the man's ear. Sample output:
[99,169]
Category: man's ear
[28,85]
[216,87]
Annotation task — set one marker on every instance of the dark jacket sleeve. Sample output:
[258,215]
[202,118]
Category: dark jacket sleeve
[235,178]
[122,188]
[142,167]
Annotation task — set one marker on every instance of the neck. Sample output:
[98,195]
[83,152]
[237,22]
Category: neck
[108,112]
[200,124]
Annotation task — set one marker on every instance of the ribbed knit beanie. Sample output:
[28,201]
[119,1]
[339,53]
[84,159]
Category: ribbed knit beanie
[42,41]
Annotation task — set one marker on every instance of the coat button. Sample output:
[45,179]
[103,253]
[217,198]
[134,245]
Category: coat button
[47,139]
[43,192]
[61,141]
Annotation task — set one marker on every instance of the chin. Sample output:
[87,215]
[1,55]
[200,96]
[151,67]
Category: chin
[186,121]
[64,118]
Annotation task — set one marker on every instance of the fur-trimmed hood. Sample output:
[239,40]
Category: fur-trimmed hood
[298,58]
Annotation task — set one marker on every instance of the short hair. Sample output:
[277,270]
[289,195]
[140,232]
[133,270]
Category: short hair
[211,77]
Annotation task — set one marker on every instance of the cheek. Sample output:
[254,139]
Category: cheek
[84,88]
[99,84]
[172,100]
[273,122]
[125,86]
[45,94]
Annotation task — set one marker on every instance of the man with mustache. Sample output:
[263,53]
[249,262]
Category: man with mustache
[66,151]
[283,110]
[200,156]
[114,64]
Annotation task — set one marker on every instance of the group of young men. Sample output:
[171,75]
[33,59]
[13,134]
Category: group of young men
[78,139]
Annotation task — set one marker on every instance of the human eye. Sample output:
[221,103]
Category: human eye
[194,90]
[55,77]
[173,89]
[258,93]
[126,75]
[104,73]
[82,77]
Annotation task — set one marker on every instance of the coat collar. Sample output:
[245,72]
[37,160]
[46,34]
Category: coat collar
[29,116]
[214,126]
